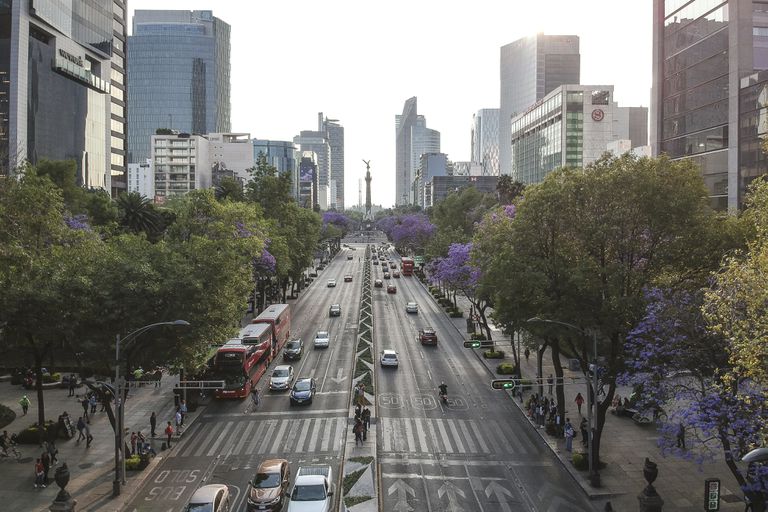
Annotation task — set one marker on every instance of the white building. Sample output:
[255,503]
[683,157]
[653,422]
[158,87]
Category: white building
[232,152]
[141,179]
[181,164]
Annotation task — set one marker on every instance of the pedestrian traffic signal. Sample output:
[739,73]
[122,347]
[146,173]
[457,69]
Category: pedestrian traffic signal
[504,383]
[472,344]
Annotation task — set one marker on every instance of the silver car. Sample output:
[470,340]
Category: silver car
[282,377]
[412,307]
[388,358]
[322,339]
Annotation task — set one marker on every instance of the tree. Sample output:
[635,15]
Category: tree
[412,233]
[229,188]
[508,190]
[455,218]
[137,214]
[268,187]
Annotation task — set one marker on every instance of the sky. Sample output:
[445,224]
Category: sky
[359,61]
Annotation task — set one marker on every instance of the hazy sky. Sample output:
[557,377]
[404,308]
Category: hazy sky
[359,61]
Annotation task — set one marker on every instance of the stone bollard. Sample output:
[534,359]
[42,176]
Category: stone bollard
[649,499]
[63,501]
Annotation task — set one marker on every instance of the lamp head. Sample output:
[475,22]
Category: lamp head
[180,322]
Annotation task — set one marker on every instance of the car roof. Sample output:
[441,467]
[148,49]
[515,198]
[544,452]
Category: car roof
[271,465]
[335,305]
[412,302]
[206,493]
[322,333]
[388,351]
[302,379]
[282,367]
[428,329]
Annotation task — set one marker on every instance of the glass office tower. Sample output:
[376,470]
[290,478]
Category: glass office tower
[178,76]
[485,140]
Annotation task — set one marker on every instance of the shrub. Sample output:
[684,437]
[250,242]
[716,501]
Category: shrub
[494,354]
[136,462]
[31,434]
[505,369]
[580,461]
[456,313]
[53,377]
[477,337]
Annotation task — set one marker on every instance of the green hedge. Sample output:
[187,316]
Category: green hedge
[54,377]
[580,461]
[494,354]
[477,337]
[505,369]
[456,314]
[136,462]
[31,434]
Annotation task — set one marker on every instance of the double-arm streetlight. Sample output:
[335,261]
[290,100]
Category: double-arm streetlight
[594,475]
[119,402]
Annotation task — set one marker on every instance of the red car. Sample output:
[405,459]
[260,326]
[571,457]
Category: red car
[427,336]
[391,288]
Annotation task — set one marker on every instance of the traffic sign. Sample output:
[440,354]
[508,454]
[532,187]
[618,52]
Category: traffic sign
[712,494]
[472,344]
[479,344]
[503,383]
[418,260]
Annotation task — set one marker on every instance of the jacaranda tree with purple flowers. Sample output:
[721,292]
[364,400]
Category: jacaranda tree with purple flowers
[412,233]
[678,365]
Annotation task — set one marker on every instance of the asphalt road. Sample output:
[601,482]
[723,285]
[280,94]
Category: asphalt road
[228,442]
[476,452]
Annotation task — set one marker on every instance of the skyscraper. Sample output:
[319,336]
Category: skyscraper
[485,140]
[403,154]
[709,70]
[334,135]
[531,68]
[311,141]
[178,76]
[61,92]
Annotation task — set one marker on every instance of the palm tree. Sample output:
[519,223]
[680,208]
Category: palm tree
[137,213]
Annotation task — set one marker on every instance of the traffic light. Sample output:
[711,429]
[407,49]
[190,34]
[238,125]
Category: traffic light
[472,344]
[504,383]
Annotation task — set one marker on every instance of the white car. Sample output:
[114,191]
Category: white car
[322,339]
[388,358]
[411,307]
[331,283]
[212,498]
[282,377]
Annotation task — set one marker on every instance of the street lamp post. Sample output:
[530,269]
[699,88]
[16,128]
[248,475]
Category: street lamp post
[119,402]
[594,475]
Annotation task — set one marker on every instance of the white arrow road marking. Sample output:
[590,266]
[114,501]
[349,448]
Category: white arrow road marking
[451,490]
[501,493]
[338,377]
[403,490]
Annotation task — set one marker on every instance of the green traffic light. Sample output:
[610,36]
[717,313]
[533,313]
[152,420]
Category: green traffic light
[503,384]
[471,344]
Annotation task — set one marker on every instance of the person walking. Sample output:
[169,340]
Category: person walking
[152,424]
[365,417]
[527,354]
[177,418]
[255,398]
[80,429]
[579,401]
[584,432]
[550,381]
[53,452]
[24,403]
[134,438]
[358,430]
[169,433]
[85,403]
[46,460]
[93,402]
[39,474]
[183,410]
[140,441]
[681,436]
[72,384]
[569,435]
[88,436]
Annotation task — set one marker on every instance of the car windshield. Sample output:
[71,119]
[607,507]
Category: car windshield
[390,356]
[308,493]
[322,334]
[280,372]
[293,345]
[199,507]
[302,385]
[266,480]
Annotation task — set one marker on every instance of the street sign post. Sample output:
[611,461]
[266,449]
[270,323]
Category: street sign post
[712,494]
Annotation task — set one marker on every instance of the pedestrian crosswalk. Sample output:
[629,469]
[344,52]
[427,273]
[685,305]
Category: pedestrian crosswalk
[450,436]
[265,436]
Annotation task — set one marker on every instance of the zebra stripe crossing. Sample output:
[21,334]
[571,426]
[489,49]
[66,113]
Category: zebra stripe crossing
[267,436]
[449,436]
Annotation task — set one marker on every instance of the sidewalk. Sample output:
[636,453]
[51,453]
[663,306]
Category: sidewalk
[625,446]
[91,469]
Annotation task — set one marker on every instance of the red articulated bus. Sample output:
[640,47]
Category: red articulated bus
[259,335]
[279,317]
[406,265]
[240,367]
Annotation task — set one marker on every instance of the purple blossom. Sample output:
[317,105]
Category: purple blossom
[510,210]
[78,222]
[456,270]
[241,231]
[337,219]
[412,231]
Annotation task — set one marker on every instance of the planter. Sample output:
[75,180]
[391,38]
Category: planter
[506,369]
[498,354]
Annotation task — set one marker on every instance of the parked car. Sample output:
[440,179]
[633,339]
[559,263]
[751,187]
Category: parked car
[391,288]
[348,278]
[412,307]
[282,377]
[303,391]
[335,310]
[322,339]
[427,336]
[331,283]
[378,283]
[269,486]
[293,349]
[209,498]
[388,358]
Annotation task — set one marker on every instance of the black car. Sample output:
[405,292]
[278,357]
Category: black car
[293,349]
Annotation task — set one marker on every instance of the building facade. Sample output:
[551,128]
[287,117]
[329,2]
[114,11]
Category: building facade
[403,153]
[231,152]
[531,68]
[311,141]
[141,179]
[57,65]
[181,164]
[178,76]
[334,135]
[308,181]
[423,141]
[430,165]
[485,140]
[702,49]
[571,126]
[439,187]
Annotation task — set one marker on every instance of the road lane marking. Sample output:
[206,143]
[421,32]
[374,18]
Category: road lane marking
[432,435]
[422,437]
[245,436]
[409,435]
[221,438]
[279,437]
[313,439]
[467,436]
[270,428]
[444,436]
[279,413]
[305,423]
[385,429]
[256,437]
[462,462]
[476,429]
[456,436]
[327,434]
[201,446]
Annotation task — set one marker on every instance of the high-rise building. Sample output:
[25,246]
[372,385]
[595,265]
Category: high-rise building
[403,154]
[531,68]
[141,179]
[61,92]
[178,76]
[311,141]
[175,158]
[334,135]
[423,140]
[485,140]
[230,154]
[705,99]
[308,188]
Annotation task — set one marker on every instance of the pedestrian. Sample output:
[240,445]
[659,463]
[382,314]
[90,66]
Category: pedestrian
[24,403]
[152,424]
[183,410]
[584,431]
[681,436]
[550,381]
[579,400]
[53,452]
[72,384]
[140,441]
[177,417]
[134,438]
[46,460]
[366,417]
[358,412]
[158,377]
[88,436]
[85,403]
[81,429]
[39,474]
[358,430]
[93,403]
[527,354]
[569,434]
[169,433]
